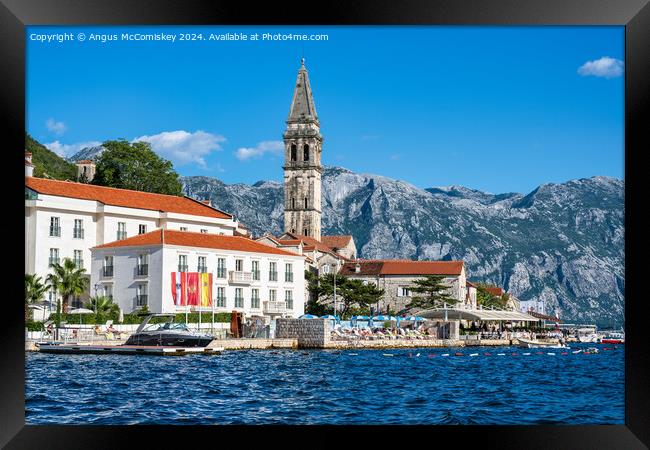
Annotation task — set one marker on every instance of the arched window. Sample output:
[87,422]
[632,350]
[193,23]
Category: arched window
[305,150]
[293,152]
[306,203]
[306,232]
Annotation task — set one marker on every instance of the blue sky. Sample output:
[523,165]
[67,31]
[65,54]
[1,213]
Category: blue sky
[500,109]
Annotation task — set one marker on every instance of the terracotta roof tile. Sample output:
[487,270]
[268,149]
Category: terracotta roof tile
[124,197]
[198,240]
[403,267]
[336,241]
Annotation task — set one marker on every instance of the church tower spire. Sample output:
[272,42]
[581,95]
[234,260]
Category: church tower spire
[302,162]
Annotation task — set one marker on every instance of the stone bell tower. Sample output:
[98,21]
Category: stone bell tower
[302,162]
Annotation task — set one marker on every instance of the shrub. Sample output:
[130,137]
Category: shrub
[34,326]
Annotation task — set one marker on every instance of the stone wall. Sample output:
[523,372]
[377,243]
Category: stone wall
[310,333]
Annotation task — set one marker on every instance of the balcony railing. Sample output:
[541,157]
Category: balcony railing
[78,233]
[220,302]
[121,235]
[256,275]
[239,302]
[240,277]
[289,304]
[288,277]
[142,270]
[141,300]
[202,269]
[182,267]
[221,272]
[275,307]
[273,276]
[255,303]
[107,271]
[53,261]
[79,263]
[55,231]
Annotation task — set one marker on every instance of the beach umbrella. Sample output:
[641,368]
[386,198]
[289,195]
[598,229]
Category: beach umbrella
[81,311]
[382,318]
[329,316]
[360,318]
[308,316]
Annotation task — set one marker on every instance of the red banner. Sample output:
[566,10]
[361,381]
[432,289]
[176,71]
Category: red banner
[179,288]
[193,293]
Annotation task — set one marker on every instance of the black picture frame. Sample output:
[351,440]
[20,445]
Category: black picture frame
[633,14]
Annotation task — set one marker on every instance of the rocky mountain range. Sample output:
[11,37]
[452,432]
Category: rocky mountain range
[561,243]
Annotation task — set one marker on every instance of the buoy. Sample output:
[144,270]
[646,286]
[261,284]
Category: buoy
[564,353]
[473,354]
[577,351]
[353,354]
[539,353]
[417,355]
[458,354]
[526,354]
[387,354]
[445,354]
[488,354]
[514,354]
[432,355]
[552,354]
[501,354]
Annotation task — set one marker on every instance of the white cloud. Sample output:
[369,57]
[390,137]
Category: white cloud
[67,150]
[182,147]
[55,127]
[272,147]
[605,67]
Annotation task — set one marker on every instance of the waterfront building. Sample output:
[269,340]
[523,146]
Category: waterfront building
[396,277]
[247,276]
[64,219]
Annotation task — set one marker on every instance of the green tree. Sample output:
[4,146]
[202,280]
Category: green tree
[67,280]
[433,292]
[135,166]
[48,164]
[352,296]
[104,308]
[488,300]
[35,289]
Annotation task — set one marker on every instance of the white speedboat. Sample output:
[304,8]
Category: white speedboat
[587,335]
[529,343]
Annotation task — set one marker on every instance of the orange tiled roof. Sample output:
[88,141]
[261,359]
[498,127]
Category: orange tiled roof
[198,240]
[494,290]
[124,197]
[85,161]
[289,241]
[336,241]
[402,267]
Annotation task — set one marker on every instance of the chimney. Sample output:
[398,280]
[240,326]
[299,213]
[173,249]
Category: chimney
[357,267]
[29,167]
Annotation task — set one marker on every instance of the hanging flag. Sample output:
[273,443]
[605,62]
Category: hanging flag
[206,289]
[178,288]
[193,289]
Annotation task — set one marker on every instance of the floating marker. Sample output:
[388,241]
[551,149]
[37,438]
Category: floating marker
[458,354]
[488,354]
[387,354]
[539,353]
[417,355]
[473,354]
[501,354]
[552,354]
[577,351]
[526,354]
[514,354]
[445,354]
[432,355]
[353,354]
[564,353]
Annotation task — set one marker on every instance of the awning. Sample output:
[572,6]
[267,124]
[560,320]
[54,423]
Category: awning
[478,314]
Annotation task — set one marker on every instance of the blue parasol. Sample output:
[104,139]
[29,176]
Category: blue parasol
[308,316]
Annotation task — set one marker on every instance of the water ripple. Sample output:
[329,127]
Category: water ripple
[326,387]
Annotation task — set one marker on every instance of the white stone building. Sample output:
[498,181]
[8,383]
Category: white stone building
[249,277]
[395,277]
[64,219]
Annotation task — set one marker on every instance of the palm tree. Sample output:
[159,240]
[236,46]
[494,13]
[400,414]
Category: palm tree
[34,291]
[68,280]
[103,306]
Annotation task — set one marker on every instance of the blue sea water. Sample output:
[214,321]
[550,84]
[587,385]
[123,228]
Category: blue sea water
[329,387]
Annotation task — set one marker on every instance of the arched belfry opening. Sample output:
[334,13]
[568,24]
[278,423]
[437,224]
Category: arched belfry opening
[305,152]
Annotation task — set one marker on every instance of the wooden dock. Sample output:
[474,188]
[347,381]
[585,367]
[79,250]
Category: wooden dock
[125,349]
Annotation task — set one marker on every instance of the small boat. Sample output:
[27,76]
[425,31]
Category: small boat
[590,351]
[529,343]
[613,337]
[167,334]
[587,335]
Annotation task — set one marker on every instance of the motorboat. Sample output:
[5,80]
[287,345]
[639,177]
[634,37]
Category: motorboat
[530,343]
[587,335]
[167,333]
[613,337]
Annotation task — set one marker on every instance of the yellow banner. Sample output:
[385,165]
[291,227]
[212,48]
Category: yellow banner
[206,289]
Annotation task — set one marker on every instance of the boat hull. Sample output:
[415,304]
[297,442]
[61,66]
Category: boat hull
[169,340]
[612,341]
[524,343]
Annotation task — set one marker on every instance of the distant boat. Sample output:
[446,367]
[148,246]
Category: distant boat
[529,343]
[587,334]
[612,337]
[167,334]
